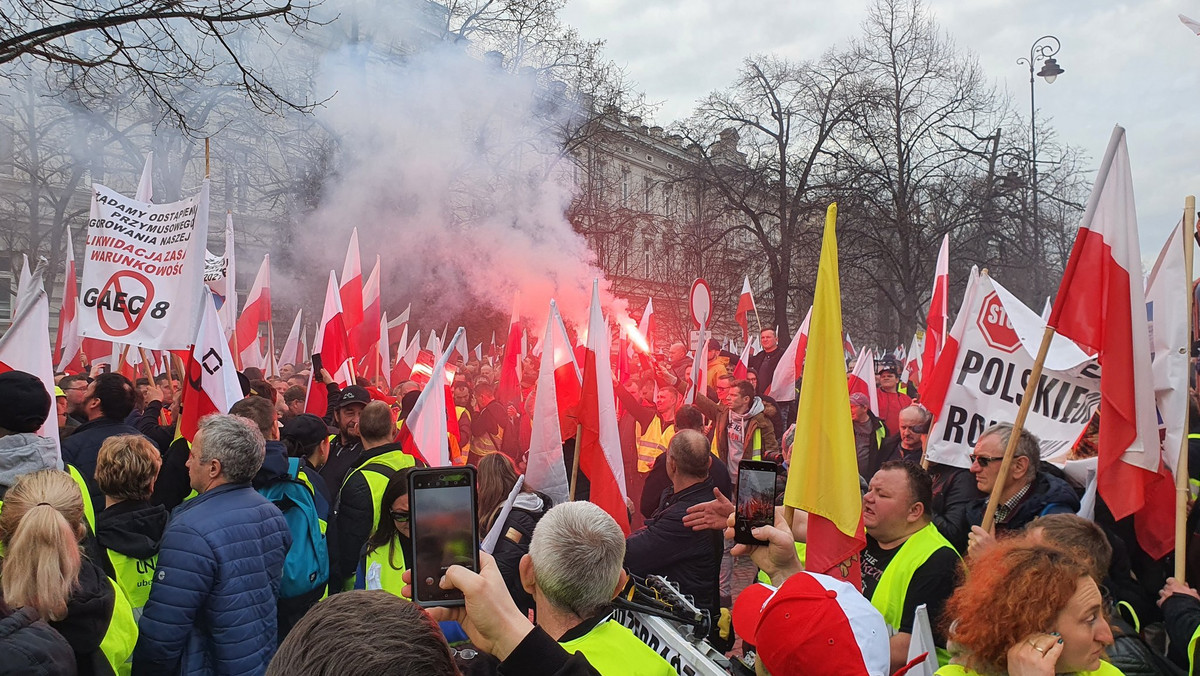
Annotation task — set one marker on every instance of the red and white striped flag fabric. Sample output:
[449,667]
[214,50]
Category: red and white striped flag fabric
[935,321]
[406,357]
[291,353]
[256,311]
[1101,305]
[67,343]
[210,384]
[600,446]
[379,360]
[791,365]
[935,382]
[352,286]
[558,390]
[427,426]
[742,368]
[914,369]
[744,307]
[331,344]
[508,389]
[365,336]
[24,347]
[646,325]
[862,379]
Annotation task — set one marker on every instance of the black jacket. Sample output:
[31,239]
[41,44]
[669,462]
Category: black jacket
[514,544]
[146,422]
[657,482]
[1181,615]
[690,559]
[764,364]
[133,528]
[89,609]
[1048,495]
[954,490]
[81,448]
[29,647]
[174,483]
[275,466]
[351,522]
[890,449]
[539,655]
[1133,656]
[344,455]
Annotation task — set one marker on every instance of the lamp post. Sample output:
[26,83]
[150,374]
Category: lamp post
[1043,49]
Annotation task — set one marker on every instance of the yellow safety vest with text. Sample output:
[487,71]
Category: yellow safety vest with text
[613,650]
[652,443]
[377,472]
[383,568]
[121,635]
[133,577]
[892,589]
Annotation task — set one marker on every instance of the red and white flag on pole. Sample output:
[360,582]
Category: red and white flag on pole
[744,307]
[791,365]
[646,325]
[508,390]
[600,446]
[558,390]
[365,336]
[331,344]
[914,369]
[226,286]
[210,384]
[935,323]
[742,368]
[381,356]
[24,347]
[292,353]
[1101,305]
[937,377]
[256,311]
[407,352]
[398,329]
[67,343]
[862,379]
[352,286]
[427,428]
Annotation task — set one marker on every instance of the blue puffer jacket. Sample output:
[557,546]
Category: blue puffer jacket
[212,606]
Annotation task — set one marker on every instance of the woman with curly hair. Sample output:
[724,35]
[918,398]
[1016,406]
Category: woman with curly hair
[1027,610]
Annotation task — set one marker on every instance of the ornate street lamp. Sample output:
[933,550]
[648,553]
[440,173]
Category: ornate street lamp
[1043,49]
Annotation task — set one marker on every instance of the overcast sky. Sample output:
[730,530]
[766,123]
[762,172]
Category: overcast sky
[1131,63]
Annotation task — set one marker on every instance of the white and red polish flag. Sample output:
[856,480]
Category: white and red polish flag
[406,357]
[256,311]
[742,368]
[397,329]
[508,390]
[646,325]
[292,353]
[791,365]
[331,344]
[848,346]
[427,428]
[364,338]
[23,347]
[937,377]
[381,355]
[67,343]
[557,401]
[744,307]
[914,369]
[935,321]
[352,286]
[210,383]
[599,447]
[862,379]
[1101,305]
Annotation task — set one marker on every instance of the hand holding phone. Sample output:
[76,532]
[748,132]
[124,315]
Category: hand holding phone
[445,530]
[755,500]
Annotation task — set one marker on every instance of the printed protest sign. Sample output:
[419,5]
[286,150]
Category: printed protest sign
[143,270]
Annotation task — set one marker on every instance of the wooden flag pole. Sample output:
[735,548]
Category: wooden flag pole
[1035,375]
[207,158]
[1182,489]
[145,365]
[575,462]
[271,346]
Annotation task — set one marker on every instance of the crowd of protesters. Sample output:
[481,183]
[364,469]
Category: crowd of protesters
[278,541]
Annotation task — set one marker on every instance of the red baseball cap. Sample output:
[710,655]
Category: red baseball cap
[813,625]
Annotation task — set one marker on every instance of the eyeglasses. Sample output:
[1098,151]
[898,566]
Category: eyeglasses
[983,460]
[77,389]
[401,517]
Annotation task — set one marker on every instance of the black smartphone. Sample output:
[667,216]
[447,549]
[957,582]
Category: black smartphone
[755,500]
[317,366]
[445,532]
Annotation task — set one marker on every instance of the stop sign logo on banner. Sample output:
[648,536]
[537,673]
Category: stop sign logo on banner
[143,270]
[997,330]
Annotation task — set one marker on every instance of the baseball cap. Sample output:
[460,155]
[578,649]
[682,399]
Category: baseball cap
[24,402]
[887,365]
[813,625]
[860,399]
[354,394]
[305,429]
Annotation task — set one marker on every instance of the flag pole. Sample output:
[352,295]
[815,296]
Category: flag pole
[271,345]
[1035,375]
[575,462]
[207,158]
[1182,489]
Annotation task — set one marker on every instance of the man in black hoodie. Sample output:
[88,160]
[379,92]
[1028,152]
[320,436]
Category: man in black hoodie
[129,529]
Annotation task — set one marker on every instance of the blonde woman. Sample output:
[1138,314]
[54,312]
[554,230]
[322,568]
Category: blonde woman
[129,529]
[41,527]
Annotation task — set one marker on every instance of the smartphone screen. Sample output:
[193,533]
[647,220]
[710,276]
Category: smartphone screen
[755,499]
[444,532]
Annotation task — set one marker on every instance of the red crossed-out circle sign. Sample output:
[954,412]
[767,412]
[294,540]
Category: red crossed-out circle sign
[997,330]
[132,284]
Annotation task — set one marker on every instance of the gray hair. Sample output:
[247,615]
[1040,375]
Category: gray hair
[1028,445]
[689,450]
[236,442]
[577,551]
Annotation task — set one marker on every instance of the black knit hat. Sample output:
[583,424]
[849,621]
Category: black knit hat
[24,402]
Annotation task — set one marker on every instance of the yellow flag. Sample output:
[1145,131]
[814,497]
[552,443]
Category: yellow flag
[823,474]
